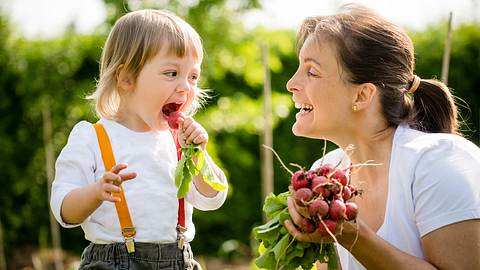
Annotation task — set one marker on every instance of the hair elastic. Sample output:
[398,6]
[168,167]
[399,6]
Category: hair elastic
[414,85]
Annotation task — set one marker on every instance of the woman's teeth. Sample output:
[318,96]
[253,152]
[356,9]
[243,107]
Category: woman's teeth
[304,108]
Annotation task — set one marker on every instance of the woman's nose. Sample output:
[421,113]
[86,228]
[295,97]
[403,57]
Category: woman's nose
[292,85]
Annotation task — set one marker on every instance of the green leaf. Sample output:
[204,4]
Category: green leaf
[266,260]
[280,248]
[208,178]
[179,172]
[200,160]
[191,167]
[185,185]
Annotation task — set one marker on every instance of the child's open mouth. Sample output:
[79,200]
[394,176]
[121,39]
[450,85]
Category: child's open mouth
[168,108]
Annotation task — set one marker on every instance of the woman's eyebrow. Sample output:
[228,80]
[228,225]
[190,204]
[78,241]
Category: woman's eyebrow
[306,60]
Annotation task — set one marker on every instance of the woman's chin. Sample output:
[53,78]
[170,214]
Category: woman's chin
[299,130]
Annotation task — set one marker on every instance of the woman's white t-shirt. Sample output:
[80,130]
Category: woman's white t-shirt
[434,181]
[151,196]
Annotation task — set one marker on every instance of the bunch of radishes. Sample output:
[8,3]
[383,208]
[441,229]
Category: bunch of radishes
[323,196]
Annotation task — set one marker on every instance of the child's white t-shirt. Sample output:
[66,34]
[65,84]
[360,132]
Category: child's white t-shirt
[151,196]
[433,182]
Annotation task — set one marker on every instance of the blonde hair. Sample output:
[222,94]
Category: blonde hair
[135,39]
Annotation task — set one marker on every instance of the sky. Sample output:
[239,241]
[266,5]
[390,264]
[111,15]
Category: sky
[48,18]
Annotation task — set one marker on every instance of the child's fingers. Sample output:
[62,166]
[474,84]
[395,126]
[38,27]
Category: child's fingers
[111,188]
[200,139]
[128,176]
[110,177]
[109,197]
[189,129]
[118,167]
[196,136]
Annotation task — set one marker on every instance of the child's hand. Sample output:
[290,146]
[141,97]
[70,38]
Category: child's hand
[110,183]
[190,131]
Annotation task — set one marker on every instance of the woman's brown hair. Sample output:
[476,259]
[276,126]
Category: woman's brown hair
[373,50]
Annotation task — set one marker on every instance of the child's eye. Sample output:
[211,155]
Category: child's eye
[194,77]
[171,73]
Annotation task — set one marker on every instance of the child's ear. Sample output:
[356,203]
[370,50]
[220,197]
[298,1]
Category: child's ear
[363,96]
[124,80]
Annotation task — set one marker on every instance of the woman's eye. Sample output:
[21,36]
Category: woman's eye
[312,73]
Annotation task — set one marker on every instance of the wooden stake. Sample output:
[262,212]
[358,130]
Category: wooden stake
[446,51]
[3,261]
[49,167]
[267,138]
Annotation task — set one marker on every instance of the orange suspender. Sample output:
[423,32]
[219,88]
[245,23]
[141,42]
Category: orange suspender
[128,231]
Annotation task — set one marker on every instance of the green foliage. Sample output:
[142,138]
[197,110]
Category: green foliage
[279,249]
[57,74]
[464,62]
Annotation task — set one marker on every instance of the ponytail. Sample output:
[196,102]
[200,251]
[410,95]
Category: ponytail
[434,108]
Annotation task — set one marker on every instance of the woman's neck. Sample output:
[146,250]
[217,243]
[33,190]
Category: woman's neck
[370,142]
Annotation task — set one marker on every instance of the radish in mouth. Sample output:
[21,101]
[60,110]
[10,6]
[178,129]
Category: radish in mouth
[173,116]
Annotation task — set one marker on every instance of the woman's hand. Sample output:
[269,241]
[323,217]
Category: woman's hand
[297,213]
[110,183]
[190,131]
[345,232]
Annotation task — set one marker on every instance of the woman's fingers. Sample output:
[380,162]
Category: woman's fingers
[292,230]
[292,210]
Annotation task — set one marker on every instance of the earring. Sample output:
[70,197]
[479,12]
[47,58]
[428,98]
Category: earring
[354,108]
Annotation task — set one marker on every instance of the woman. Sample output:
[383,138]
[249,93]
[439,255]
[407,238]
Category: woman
[355,84]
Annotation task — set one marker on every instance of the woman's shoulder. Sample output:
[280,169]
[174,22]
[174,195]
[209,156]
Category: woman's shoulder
[423,143]
[436,154]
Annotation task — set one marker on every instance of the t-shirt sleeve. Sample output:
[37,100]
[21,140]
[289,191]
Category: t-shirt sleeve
[202,202]
[334,158]
[446,188]
[74,168]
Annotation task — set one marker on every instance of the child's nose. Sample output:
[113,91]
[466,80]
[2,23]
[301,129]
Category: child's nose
[183,86]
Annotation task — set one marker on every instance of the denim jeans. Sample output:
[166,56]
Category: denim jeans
[146,256]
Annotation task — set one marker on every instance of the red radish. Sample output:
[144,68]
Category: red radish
[354,191]
[341,177]
[323,191]
[174,119]
[346,194]
[303,196]
[335,187]
[298,180]
[318,207]
[307,226]
[310,176]
[331,225]
[337,210]
[325,170]
[318,182]
[351,210]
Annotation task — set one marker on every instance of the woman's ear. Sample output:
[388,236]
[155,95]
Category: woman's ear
[124,80]
[364,96]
